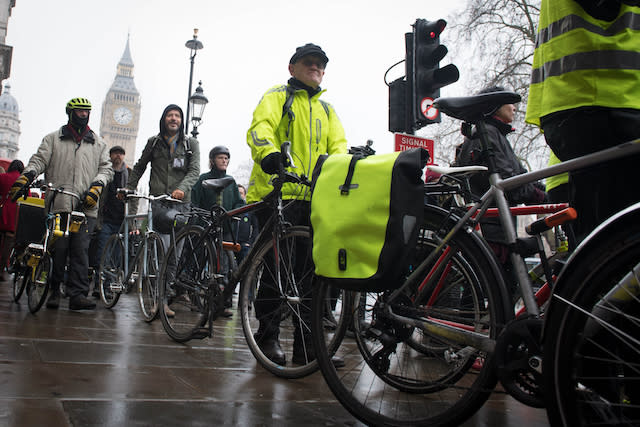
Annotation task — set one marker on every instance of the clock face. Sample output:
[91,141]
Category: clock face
[122,115]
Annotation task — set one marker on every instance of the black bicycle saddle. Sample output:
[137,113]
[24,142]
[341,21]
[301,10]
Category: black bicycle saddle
[473,109]
[217,183]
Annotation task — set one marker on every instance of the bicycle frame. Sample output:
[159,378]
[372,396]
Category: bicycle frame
[478,210]
[124,233]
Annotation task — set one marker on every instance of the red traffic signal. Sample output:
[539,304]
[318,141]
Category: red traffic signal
[427,78]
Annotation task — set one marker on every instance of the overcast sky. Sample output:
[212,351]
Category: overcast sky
[70,48]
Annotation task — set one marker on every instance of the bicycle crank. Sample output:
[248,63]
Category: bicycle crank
[518,356]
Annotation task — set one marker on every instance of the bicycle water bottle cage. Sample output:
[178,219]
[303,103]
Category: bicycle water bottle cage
[473,109]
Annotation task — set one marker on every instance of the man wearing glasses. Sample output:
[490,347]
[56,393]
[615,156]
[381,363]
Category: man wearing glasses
[292,112]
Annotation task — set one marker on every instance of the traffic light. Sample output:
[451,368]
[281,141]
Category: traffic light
[424,76]
[398,116]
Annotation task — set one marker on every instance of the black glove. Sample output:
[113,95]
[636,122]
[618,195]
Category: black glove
[21,183]
[93,194]
[272,163]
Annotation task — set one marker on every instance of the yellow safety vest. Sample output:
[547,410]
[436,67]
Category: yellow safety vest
[583,61]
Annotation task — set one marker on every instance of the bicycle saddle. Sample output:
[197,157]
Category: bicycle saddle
[473,109]
[218,183]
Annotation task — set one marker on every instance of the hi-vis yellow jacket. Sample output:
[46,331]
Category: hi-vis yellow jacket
[583,61]
[313,129]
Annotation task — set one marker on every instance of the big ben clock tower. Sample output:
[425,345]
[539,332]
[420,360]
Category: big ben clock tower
[121,109]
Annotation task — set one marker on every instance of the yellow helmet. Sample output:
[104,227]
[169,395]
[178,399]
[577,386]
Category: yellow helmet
[78,104]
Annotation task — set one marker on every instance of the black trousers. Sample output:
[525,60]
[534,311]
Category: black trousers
[76,249]
[266,304]
[600,191]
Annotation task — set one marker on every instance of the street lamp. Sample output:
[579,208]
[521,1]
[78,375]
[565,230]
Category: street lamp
[197,102]
[194,46]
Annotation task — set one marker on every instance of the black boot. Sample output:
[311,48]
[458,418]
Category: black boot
[270,345]
[54,299]
[80,302]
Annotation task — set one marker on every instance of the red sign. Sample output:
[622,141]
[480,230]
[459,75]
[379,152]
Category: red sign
[406,142]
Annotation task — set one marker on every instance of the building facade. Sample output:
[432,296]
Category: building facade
[121,109]
[9,125]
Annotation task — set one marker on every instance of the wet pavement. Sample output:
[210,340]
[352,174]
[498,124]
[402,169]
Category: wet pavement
[110,368]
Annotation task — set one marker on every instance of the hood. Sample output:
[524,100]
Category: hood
[163,129]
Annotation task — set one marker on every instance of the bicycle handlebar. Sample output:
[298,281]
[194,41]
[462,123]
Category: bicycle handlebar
[132,194]
[60,190]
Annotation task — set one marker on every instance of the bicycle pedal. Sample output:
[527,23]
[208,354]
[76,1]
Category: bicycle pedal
[200,333]
[116,288]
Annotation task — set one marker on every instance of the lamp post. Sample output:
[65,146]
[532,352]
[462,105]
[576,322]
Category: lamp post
[194,46]
[197,102]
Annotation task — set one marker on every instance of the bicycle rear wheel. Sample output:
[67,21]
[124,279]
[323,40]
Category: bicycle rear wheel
[111,271]
[386,381]
[148,283]
[38,283]
[592,333]
[19,275]
[283,303]
[187,276]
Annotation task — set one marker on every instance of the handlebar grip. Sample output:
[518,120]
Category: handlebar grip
[548,222]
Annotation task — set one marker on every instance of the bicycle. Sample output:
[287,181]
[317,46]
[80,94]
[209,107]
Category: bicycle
[386,381]
[122,264]
[37,257]
[195,287]
[29,229]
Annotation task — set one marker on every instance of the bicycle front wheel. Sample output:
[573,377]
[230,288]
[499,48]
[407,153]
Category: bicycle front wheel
[148,272]
[19,275]
[397,376]
[275,304]
[592,335]
[187,275]
[111,271]
[38,283]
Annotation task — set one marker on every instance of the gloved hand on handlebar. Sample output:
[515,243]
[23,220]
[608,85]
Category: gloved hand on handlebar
[23,181]
[271,163]
[93,194]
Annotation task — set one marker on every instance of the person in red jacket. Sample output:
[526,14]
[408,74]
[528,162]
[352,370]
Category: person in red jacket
[9,211]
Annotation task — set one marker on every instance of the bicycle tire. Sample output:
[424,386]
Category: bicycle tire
[148,283]
[38,284]
[395,384]
[111,271]
[590,362]
[19,275]
[187,274]
[288,305]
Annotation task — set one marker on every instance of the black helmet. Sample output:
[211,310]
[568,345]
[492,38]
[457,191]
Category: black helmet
[220,149]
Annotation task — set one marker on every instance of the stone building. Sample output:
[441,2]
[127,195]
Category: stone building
[9,125]
[121,109]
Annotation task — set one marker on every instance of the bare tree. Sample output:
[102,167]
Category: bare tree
[492,42]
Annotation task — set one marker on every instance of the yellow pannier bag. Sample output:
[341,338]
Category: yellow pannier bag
[365,217]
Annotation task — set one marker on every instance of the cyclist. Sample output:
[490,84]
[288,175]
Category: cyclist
[585,96]
[205,198]
[110,211]
[76,158]
[291,112]
[175,166]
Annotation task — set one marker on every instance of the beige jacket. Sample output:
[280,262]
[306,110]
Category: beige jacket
[74,166]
